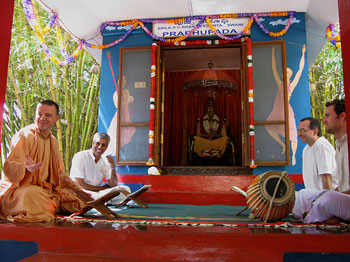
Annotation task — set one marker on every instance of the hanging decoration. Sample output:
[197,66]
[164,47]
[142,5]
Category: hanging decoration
[239,35]
[210,82]
[251,103]
[152,106]
[283,31]
[332,36]
[31,15]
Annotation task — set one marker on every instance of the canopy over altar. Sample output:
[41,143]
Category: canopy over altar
[83,18]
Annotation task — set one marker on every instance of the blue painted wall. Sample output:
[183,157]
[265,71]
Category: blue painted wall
[300,102]
[295,38]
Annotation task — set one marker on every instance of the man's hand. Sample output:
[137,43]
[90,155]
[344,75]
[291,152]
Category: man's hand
[31,166]
[105,186]
[110,161]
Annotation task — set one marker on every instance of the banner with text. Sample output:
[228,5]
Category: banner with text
[226,26]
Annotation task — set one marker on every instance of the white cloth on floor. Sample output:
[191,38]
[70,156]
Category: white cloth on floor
[321,205]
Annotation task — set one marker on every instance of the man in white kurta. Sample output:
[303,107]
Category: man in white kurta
[329,206]
[89,168]
[342,159]
[319,166]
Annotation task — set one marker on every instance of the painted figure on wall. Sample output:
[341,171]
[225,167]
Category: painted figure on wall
[126,132]
[277,113]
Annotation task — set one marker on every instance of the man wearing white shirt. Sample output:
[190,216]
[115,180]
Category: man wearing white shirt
[329,206]
[319,164]
[89,168]
[335,123]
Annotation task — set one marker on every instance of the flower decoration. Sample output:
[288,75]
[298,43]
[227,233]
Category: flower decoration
[31,15]
[332,36]
[283,31]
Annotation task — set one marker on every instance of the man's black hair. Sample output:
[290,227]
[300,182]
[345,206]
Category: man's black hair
[339,105]
[314,124]
[51,103]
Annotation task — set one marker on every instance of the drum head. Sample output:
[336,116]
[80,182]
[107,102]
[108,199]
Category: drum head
[284,191]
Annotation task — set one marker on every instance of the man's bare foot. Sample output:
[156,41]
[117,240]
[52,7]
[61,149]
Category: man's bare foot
[332,221]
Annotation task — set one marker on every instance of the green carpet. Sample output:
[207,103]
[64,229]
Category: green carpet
[185,213]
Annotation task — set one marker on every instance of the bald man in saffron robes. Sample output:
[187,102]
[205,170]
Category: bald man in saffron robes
[35,185]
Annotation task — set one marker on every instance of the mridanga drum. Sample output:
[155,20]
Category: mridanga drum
[271,196]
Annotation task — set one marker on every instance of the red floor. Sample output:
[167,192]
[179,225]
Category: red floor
[65,241]
[75,258]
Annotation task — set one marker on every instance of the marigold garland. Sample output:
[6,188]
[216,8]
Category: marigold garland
[215,31]
[251,103]
[152,106]
[272,34]
[332,36]
[30,12]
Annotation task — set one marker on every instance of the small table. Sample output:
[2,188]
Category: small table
[134,196]
[98,204]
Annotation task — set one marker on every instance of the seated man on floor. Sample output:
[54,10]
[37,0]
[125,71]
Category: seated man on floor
[211,139]
[35,187]
[89,168]
[329,206]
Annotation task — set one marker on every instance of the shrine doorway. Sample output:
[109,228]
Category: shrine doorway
[181,107]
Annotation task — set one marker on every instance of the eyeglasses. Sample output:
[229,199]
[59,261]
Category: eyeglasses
[302,130]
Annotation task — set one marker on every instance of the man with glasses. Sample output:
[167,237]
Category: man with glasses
[319,164]
[329,206]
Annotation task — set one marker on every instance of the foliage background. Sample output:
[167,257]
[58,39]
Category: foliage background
[32,77]
[326,81]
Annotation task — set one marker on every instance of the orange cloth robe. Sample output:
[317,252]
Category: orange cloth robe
[34,196]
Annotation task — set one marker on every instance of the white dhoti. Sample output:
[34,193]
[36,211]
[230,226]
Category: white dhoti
[321,205]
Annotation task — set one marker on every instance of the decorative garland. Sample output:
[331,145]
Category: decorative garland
[245,30]
[152,106]
[30,12]
[251,103]
[201,20]
[332,36]
[31,15]
[283,31]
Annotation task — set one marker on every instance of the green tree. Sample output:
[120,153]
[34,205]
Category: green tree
[326,81]
[34,77]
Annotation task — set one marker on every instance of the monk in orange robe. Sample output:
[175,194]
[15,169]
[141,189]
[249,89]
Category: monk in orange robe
[35,185]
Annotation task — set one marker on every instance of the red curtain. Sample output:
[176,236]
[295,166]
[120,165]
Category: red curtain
[5,30]
[182,109]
